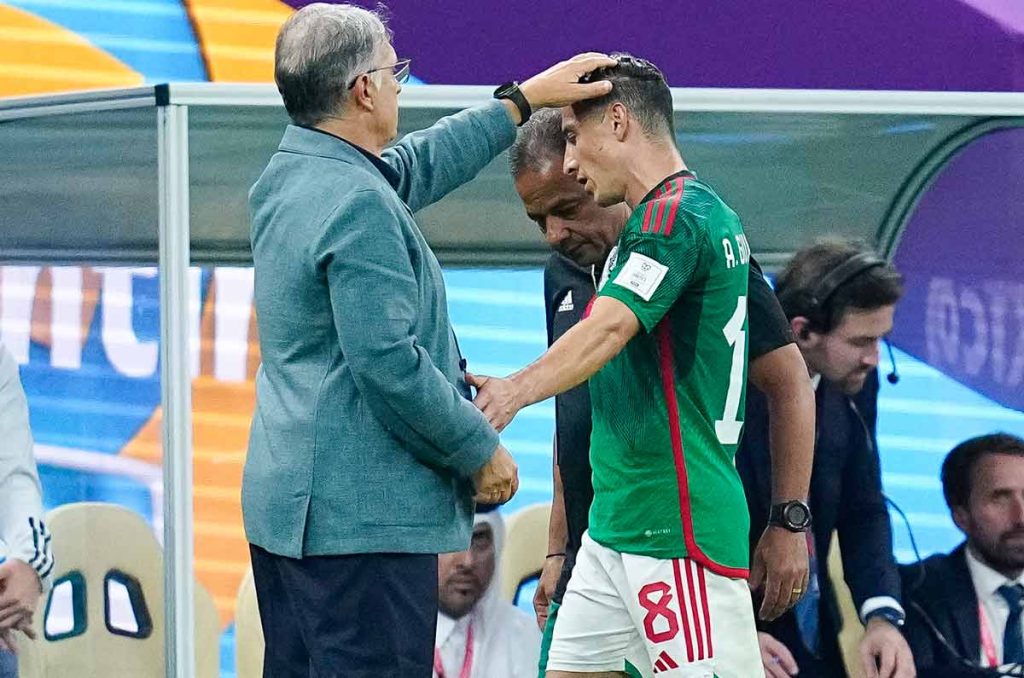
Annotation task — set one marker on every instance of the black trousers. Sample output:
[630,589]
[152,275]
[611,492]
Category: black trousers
[352,616]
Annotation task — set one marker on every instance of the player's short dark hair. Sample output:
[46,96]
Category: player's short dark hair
[640,86]
[537,142]
[958,467]
[797,286]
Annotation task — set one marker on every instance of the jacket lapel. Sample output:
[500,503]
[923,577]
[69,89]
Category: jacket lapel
[964,604]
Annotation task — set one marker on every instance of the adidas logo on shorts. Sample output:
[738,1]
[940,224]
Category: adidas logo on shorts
[664,663]
[566,304]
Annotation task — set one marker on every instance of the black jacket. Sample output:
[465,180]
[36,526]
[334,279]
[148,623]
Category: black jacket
[941,588]
[846,495]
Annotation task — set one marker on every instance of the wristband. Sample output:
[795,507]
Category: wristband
[554,555]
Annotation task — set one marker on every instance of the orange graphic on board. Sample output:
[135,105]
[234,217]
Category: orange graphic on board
[38,57]
[237,37]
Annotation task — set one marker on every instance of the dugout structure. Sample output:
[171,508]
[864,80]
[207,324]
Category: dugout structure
[159,175]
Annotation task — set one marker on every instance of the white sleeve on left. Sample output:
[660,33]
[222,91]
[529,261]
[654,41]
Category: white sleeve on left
[21,501]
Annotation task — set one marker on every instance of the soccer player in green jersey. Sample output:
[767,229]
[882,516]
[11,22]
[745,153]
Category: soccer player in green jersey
[664,562]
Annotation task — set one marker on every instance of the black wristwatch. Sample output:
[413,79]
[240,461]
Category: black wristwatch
[889,614]
[510,90]
[794,516]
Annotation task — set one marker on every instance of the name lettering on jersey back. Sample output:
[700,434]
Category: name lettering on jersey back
[730,252]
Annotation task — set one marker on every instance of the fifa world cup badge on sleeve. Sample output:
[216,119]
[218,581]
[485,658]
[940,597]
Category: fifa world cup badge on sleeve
[642,275]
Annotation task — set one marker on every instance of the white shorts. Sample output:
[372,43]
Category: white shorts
[675,617]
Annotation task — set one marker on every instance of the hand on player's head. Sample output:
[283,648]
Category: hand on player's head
[562,84]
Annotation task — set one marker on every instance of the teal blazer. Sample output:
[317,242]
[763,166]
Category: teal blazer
[364,438]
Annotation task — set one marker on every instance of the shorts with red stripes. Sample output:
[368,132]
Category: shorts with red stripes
[680,618]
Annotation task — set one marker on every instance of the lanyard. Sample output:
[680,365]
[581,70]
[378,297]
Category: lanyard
[987,645]
[467,661]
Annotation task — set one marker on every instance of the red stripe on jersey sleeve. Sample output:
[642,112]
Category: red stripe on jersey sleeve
[676,199]
[647,217]
[659,219]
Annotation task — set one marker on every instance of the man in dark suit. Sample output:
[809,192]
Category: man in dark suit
[840,301]
[964,607]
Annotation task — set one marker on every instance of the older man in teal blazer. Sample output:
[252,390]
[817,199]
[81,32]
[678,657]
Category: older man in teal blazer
[365,451]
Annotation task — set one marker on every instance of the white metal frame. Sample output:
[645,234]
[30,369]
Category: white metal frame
[176,391]
[683,99]
[997,104]
[172,102]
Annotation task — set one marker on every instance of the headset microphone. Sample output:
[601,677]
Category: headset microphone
[894,376]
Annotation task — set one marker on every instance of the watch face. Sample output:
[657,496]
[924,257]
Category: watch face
[504,90]
[797,515]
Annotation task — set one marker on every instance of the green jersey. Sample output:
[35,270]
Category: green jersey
[668,408]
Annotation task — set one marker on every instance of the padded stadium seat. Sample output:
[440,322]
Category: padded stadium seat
[248,631]
[105,615]
[526,543]
[853,630]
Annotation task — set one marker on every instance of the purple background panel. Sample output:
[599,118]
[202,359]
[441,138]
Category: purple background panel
[961,254]
[971,45]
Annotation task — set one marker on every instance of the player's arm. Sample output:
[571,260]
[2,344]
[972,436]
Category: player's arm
[555,557]
[652,272]
[779,565]
[782,376]
[574,358]
[558,533]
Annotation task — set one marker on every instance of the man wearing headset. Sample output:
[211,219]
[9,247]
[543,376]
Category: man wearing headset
[839,299]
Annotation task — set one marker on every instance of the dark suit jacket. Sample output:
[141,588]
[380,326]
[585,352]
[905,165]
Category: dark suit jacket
[941,586]
[846,495]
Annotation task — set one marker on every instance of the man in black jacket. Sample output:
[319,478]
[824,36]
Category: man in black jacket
[840,300]
[964,607]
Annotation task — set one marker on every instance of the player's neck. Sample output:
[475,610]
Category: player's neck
[654,161]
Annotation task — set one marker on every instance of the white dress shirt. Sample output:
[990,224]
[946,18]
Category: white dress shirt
[993,606]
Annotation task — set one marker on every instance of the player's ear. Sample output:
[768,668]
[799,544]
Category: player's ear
[619,118]
[962,518]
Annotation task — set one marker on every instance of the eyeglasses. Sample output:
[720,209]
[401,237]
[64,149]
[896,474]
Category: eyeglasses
[400,69]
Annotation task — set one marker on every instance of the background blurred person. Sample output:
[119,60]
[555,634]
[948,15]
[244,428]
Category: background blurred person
[840,299]
[973,595]
[480,635]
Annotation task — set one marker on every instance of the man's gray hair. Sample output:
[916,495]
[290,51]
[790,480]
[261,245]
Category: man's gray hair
[320,50]
[538,143]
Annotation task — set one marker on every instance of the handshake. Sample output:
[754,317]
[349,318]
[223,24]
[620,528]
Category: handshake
[496,481]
